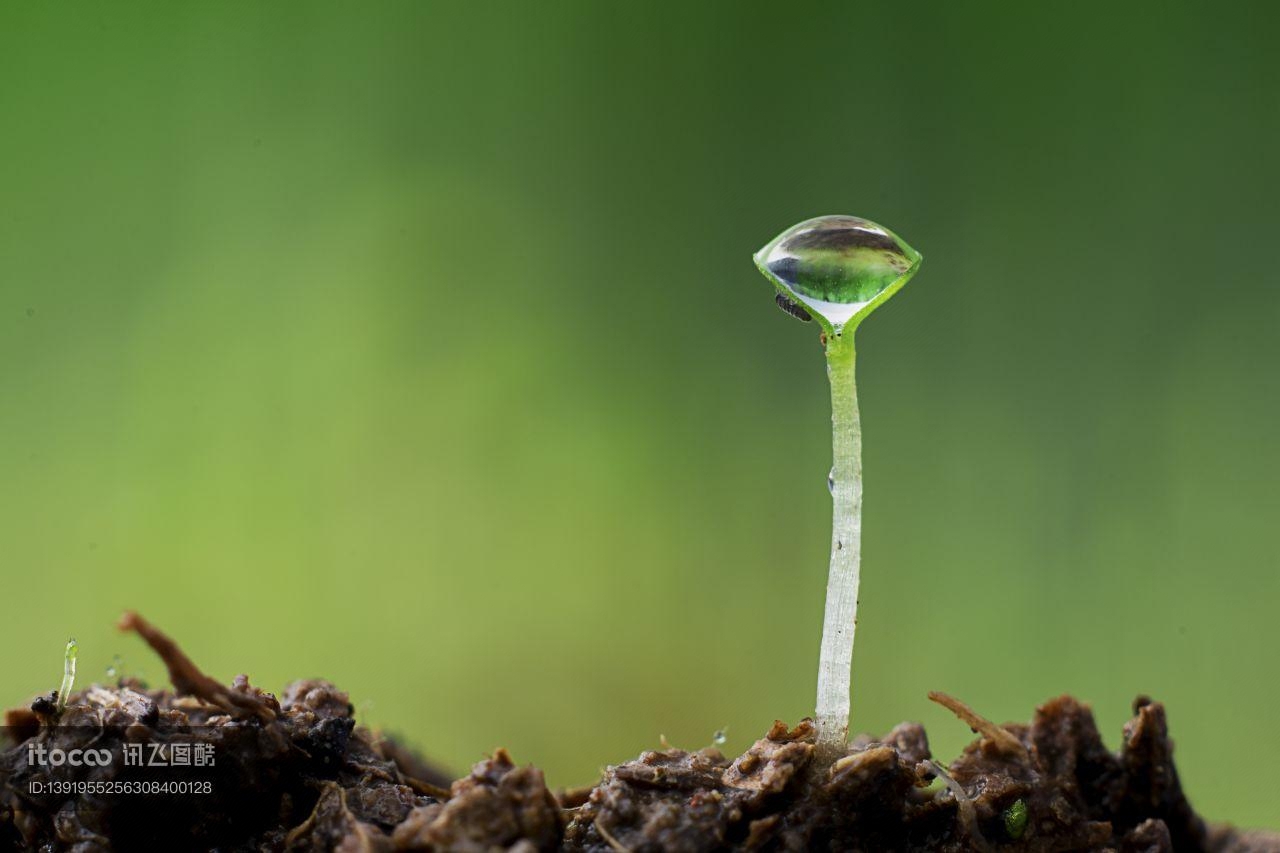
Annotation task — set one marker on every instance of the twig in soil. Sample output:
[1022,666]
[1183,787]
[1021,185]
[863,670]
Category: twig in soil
[419,776]
[609,839]
[187,678]
[1004,740]
[968,814]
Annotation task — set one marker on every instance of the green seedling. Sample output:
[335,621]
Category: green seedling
[68,674]
[1015,819]
[837,270]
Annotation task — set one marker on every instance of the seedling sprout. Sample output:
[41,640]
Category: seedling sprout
[837,270]
[68,673]
[1015,819]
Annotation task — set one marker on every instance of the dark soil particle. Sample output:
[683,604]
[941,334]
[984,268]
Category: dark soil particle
[296,773]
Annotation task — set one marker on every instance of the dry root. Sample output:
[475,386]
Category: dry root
[1003,740]
[239,701]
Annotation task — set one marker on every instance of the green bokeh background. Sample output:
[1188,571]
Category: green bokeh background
[419,346]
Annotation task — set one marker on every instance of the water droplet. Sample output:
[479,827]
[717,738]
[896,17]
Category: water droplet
[116,667]
[838,267]
[831,481]
[719,737]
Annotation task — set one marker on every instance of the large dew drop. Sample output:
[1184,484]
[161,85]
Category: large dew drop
[838,267]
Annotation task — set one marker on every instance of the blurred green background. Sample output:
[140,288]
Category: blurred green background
[419,346]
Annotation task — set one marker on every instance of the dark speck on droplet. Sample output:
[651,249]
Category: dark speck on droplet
[791,308]
[31,312]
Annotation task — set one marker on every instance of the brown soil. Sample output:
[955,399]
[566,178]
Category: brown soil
[295,773]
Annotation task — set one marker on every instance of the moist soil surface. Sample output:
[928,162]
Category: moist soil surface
[294,772]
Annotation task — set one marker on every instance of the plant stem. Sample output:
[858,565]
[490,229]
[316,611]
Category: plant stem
[841,619]
[68,674]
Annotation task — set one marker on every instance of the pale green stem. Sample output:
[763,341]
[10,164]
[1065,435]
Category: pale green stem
[68,674]
[841,619]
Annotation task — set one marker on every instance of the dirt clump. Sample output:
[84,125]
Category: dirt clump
[296,773]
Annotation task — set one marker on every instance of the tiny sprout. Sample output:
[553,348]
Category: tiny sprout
[838,269]
[68,673]
[1015,819]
